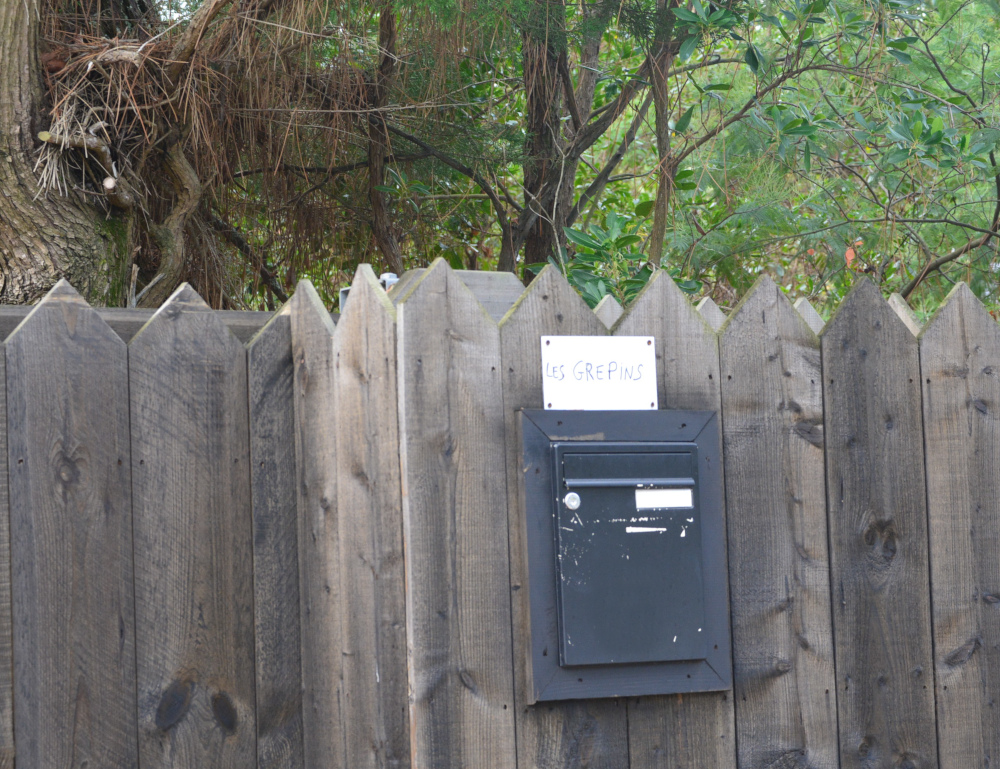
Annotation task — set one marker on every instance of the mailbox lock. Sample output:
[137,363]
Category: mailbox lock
[572,501]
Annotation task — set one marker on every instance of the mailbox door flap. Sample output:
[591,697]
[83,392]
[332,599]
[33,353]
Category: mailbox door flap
[629,555]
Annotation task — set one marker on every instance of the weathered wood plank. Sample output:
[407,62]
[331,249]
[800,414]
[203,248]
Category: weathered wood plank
[902,309]
[6,625]
[369,501]
[320,596]
[550,735]
[710,311]
[812,318]
[455,518]
[193,543]
[959,363]
[608,311]
[783,663]
[71,538]
[127,322]
[878,536]
[693,731]
[495,291]
[275,546]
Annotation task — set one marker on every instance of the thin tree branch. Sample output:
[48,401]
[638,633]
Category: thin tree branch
[257,260]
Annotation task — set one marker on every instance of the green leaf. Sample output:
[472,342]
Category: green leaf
[581,239]
[750,57]
[897,156]
[685,15]
[688,47]
[903,58]
[718,87]
[644,208]
[685,121]
[627,240]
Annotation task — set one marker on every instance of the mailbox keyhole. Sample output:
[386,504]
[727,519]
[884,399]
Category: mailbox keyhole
[572,501]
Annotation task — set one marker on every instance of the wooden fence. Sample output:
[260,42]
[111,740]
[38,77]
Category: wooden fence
[307,551]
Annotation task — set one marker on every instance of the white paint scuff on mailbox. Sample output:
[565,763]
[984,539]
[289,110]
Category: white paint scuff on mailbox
[599,373]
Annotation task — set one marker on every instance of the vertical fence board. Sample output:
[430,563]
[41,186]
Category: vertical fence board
[193,542]
[902,309]
[373,612]
[960,363]
[812,318]
[275,546]
[878,536]
[778,565]
[455,525]
[691,731]
[550,735]
[608,311]
[71,538]
[6,625]
[320,598]
[710,311]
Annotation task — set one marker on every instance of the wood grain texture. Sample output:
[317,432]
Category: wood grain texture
[783,663]
[275,546]
[455,523]
[71,538]
[6,625]
[551,735]
[960,365]
[320,598]
[692,731]
[710,311]
[902,309]
[193,543]
[495,291]
[812,318]
[878,536]
[369,501]
[608,311]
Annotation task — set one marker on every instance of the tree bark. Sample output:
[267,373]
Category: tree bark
[666,168]
[42,238]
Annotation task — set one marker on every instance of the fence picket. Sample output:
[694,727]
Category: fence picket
[71,538]
[878,535]
[455,526]
[710,311]
[812,318]
[370,522]
[609,311]
[193,551]
[694,731]
[773,445]
[320,598]
[278,659]
[959,363]
[549,734]
[7,747]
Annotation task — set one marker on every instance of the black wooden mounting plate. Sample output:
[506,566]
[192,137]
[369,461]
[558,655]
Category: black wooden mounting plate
[548,434]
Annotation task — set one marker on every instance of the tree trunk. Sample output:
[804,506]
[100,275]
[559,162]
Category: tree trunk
[540,44]
[42,237]
[666,168]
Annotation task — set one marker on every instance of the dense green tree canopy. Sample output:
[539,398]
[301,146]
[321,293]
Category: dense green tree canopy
[242,144]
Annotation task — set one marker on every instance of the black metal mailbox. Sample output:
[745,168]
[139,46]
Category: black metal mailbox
[626,553]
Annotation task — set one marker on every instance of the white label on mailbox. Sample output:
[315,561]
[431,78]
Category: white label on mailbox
[599,373]
[662,499]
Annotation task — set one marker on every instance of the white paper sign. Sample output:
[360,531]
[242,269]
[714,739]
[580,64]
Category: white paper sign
[599,373]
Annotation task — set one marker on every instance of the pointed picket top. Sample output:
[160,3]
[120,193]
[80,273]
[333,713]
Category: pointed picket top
[181,309]
[864,297]
[306,299]
[765,293]
[279,317]
[660,291]
[441,278]
[551,290]
[63,297]
[366,292]
[687,352]
[710,312]
[609,310]
[812,318]
[902,309]
[961,307]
